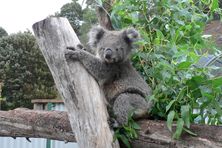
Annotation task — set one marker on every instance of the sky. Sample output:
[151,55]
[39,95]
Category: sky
[20,15]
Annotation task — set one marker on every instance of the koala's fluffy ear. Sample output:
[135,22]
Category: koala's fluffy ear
[131,35]
[95,34]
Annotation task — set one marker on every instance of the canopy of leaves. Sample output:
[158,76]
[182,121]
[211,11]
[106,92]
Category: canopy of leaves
[3,32]
[80,19]
[73,12]
[171,47]
[23,71]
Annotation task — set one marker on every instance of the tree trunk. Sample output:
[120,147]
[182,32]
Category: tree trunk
[82,96]
[55,125]
[103,14]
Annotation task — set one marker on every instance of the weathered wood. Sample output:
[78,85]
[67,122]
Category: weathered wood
[82,96]
[23,122]
[155,134]
[55,125]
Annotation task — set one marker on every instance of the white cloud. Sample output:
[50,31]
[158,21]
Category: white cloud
[19,15]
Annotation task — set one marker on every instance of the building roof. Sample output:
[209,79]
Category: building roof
[38,101]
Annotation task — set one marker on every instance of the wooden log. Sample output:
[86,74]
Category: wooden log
[82,96]
[155,134]
[55,125]
[23,122]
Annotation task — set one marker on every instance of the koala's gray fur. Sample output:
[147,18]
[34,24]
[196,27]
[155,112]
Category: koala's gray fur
[124,88]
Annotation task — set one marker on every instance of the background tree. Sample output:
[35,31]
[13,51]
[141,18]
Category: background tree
[24,72]
[81,19]
[73,12]
[89,19]
[3,32]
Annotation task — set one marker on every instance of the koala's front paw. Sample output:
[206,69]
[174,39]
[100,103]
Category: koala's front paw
[113,123]
[71,48]
[70,54]
[78,47]
[140,113]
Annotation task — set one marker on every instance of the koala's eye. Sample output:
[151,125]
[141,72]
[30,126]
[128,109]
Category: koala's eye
[102,48]
[121,48]
[117,49]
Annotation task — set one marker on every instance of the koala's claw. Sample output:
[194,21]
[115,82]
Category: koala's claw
[78,47]
[70,54]
[71,48]
[113,123]
[140,113]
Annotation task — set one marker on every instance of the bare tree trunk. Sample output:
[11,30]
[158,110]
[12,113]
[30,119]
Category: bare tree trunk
[82,96]
[55,125]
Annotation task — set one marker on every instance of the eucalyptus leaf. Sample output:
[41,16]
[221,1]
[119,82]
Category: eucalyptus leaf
[214,5]
[169,105]
[170,118]
[179,128]
[185,114]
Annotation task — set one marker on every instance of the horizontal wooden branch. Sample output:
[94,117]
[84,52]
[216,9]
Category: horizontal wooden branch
[55,125]
[23,122]
[156,134]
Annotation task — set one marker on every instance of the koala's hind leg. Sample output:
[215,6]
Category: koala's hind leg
[127,103]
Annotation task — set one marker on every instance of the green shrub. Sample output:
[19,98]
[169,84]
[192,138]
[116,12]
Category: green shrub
[170,49]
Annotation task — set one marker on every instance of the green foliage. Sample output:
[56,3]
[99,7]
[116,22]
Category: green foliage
[73,12]
[89,18]
[126,133]
[169,52]
[23,71]
[80,19]
[3,32]
[170,118]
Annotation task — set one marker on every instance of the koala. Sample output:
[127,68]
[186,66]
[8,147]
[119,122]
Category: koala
[109,64]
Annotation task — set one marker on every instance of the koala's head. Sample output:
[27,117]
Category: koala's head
[112,46]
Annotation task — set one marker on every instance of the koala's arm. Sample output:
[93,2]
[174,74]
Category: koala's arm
[98,69]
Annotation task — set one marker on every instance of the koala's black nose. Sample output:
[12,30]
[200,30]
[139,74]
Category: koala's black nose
[108,53]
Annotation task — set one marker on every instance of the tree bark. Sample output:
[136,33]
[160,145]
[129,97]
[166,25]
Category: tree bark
[82,96]
[155,134]
[55,125]
[23,122]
